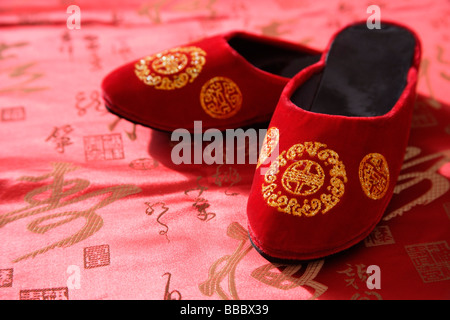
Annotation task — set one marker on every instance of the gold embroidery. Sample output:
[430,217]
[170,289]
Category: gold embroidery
[171,69]
[169,63]
[374,175]
[304,178]
[270,142]
[221,98]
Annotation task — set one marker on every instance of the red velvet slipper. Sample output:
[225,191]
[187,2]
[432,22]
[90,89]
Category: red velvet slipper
[226,81]
[341,129]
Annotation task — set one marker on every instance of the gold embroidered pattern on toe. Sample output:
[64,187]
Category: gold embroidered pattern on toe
[305,177]
[171,69]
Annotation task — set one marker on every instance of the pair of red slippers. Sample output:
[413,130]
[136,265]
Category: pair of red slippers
[340,121]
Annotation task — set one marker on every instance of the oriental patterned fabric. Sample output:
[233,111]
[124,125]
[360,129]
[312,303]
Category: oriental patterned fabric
[92,206]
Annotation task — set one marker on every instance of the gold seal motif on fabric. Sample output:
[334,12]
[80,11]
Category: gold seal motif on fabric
[171,69]
[270,142]
[374,175]
[221,98]
[306,179]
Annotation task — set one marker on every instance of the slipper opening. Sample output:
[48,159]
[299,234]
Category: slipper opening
[272,58]
[365,73]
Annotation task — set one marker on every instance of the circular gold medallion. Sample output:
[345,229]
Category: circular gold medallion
[303,178]
[374,175]
[171,69]
[170,63]
[221,98]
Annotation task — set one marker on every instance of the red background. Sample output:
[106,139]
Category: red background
[128,224]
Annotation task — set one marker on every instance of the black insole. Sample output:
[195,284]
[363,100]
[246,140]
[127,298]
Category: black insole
[281,61]
[365,73]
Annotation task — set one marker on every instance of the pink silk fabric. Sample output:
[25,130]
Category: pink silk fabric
[92,207]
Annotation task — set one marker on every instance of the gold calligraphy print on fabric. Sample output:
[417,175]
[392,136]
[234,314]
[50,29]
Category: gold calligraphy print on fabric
[44,201]
[374,175]
[171,69]
[313,180]
[269,144]
[221,98]
[226,266]
[356,278]
[170,295]
[413,174]
[287,277]
[431,260]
